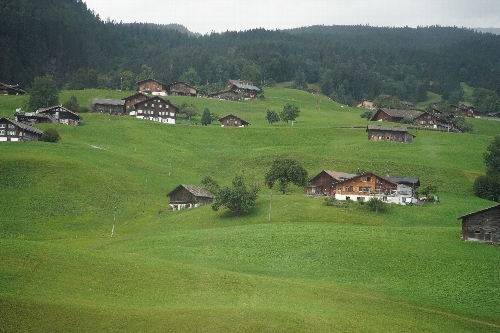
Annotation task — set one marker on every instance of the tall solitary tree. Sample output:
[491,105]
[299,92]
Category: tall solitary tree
[272,117]
[43,93]
[238,199]
[206,118]
[285,171]
[290,112]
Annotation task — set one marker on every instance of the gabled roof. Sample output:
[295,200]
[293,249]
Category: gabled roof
[23,126]
[44,110]
[232,115]
[408,180]
[479,211]
[184,83]
[195,190]
[150,79]
[103,101]
[156,98]
[387,128]
[396,113]
[336,175]
[15,87]
[243,85]
[136,94]
[364,174]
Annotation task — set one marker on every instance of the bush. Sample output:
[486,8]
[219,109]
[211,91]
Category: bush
[487,187]
[377,205]
[331,201]
[50,135]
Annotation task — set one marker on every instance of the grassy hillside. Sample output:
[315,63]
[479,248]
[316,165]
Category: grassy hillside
[311,268]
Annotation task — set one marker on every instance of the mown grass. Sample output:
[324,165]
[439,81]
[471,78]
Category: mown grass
[311,268]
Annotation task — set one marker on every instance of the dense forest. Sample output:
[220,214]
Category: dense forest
[66,40]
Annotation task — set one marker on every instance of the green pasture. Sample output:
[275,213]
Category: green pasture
[298,267]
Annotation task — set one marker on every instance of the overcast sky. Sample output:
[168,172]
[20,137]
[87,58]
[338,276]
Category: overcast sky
[204,16]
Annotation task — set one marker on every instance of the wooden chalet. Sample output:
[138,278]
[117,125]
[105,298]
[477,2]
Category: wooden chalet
[324,182]
[394,115]
[465,110]
[388,133]
[60,115]
[181,89]
[437,120]
[233,121]
[12,130]
[365,186]
[11,89]
[134,99]
[240,86]
[228,95]
[367,104]
[482,226]
[189,196]
[152,86]
[114,107]
[155,109]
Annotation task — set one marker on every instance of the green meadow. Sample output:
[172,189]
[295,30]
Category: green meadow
[299,267]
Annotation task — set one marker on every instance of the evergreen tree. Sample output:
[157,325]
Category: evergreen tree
[206,118]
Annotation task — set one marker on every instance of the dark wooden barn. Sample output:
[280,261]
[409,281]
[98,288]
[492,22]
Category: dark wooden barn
[394,115]
[109,106]
[482,226]
[387,133]
[181,89]
[233,121]
[189,196]
[60,115]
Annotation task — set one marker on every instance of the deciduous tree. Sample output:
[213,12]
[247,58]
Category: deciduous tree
[238,199]
[272,117]
[290,112]
[43,93]
[285,171]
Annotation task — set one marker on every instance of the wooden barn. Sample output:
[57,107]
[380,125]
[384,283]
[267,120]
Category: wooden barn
[233,121]
[239,86]
[12,130]
[189,196]
[134,99]
[394,115]
[11,89]
[114,107]
[388,133]
[324,182]
[32,118]
[228,95]
[156,109]
[482,226]
[181,89]
[60,115]
[152,86]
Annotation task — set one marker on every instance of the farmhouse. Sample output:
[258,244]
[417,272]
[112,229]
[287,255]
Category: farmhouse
[366,186]
[394,115]
[109,106]
[233,121]
[181,89]
[387,133]
[465,110]
[11,89]
[482,226]
[60,115]
[12,130]
[152,86]
[239,86]
[228,95]
[189,196]
[134,99]
[324,182]
[156,109]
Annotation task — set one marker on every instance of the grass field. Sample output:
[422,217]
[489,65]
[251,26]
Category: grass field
[312,268]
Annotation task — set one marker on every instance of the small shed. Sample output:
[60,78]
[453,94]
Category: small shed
[189,196]
[482,226]
[387,133]
[109,106]
[233,121]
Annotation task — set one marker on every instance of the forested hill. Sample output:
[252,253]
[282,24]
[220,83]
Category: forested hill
[63,38]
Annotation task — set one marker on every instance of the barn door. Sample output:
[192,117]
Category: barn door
[487,237]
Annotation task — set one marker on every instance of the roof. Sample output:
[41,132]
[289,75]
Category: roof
[150,79]
[131,96]
[195,190]
[387,128]
[232,115]
[103,101]
[243,85]
[15,87]
[23,126]
[400,113]
[337,175]
[154,98]
[58,106]
[180,82]
[479,211]
[399,180]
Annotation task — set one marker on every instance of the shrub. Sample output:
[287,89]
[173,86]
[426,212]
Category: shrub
[487,187]
[377,205]
[50,135]
[331,201]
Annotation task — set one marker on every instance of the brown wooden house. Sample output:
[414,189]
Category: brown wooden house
[12,130]
[324,182]
[156,109]
[11,89]
[181,89]
[482,226]
[152,86]
[388,133]
[394,115]
[60,115]
[134,99]
[239,86]
[228,95]
[233,121]
[189,196]
[109,106]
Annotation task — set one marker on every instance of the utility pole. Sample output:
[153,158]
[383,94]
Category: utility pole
[114,221]
[144,204]
[270,206]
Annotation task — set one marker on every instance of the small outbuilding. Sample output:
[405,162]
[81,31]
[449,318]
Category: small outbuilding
[189,196]
[387,133]
[233,121]
[482,226]
[114,107]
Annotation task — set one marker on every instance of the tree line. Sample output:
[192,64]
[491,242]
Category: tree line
[66,40]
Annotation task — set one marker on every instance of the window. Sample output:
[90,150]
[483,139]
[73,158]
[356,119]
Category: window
[13,133]
[11,126]
[364,189]
[152,105]
[160,106]
[348,188]
[339,188]
[2,132]
[145,104]
[2,125]
[366,179]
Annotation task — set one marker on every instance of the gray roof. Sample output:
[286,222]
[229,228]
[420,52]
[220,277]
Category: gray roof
[402,113]
[104,101]
[336,175]
[243,85]
[42,110]
[387,128]
[399,180]
[195,190]
[479,211]
[24,126]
